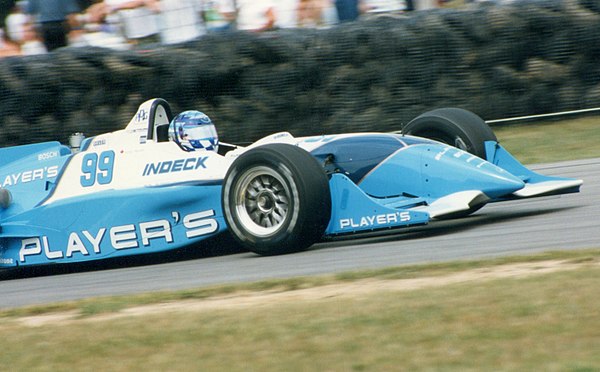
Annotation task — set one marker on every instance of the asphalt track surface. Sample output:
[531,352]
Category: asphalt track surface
[502,229]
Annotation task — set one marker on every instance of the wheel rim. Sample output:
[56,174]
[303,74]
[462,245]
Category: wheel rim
[460,144]
[262,201]
[457,141]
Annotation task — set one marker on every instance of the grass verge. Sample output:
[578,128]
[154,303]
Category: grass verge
[531,322]
[538,142]
[111,304]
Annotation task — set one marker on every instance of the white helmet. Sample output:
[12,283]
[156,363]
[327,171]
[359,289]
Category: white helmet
[193,130]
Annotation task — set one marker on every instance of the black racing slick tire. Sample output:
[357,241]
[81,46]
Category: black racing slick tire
[453,126]
[276,199]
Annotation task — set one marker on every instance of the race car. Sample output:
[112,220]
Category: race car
[164,182]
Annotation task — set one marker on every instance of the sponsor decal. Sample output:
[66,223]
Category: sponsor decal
[3,260]
[99,142]
[457,153]
[281,135]
[141,115]
[48,155]
[323,139]
[97,168]
[129,236]
[442,153]
[376,220]
[171,166]
[30,176]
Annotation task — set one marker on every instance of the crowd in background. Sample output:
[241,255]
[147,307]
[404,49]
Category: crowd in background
[39,26]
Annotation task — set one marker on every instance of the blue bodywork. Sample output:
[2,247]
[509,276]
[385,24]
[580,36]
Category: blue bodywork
[112,224]
[390,185]
[377,181]
[104,224]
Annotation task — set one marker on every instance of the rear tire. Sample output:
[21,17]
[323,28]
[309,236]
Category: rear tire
[455,127]
[276,199]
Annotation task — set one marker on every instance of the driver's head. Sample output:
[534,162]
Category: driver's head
[193,130]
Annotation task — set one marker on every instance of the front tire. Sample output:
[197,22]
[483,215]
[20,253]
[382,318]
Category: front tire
[276,199]
[455,127]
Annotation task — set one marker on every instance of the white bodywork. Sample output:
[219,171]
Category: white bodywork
[140,161]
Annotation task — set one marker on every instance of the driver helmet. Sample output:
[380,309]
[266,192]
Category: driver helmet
[193,130]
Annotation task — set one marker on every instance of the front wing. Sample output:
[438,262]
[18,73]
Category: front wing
[353,210]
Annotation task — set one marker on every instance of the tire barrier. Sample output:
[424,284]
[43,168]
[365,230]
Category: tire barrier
[497,60]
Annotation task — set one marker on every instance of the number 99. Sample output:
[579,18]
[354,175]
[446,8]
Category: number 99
[97,169]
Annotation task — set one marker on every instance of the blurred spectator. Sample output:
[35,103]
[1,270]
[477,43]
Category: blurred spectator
[96,12]
[311,13]
[180,20]
[55,18]
[256,15]
[138,19]
[219,15]
[21,32]
[329,14]
[347,10]
[286,13]
[8,47]
[385,6]
[426,4]
[96,30]
[31,43]
[16,22]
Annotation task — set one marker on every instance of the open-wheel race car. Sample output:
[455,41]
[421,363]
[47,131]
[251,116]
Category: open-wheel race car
[164,183]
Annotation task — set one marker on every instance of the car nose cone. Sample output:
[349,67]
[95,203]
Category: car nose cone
[447,170]
[433,171]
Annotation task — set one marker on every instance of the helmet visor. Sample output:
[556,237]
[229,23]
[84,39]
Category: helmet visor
[199,132]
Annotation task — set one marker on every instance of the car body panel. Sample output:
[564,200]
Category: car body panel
[111,224]
[134,192]
[354,211]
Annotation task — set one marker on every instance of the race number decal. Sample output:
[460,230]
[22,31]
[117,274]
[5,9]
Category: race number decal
[97,168]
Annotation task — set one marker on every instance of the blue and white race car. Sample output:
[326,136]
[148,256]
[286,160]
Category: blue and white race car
[162,184]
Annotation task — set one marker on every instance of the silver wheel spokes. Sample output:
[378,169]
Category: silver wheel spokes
[262,201]
[266,201]
[458,143]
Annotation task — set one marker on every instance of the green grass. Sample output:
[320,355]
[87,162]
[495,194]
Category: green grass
[541,322]
[570,139]
[112,304]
